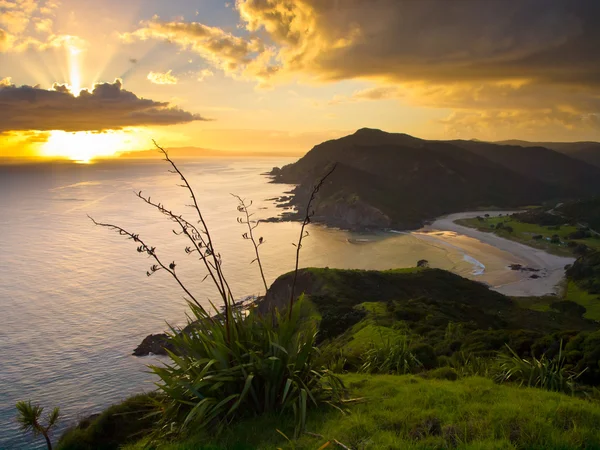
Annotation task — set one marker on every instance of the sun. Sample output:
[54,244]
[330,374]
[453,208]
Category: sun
[85,146]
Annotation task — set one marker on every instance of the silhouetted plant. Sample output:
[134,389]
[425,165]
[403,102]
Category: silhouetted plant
[229,363]
[252,224]
[309,213]
[30,416]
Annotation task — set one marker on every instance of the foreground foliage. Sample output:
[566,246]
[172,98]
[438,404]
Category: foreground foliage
[29,418]
[266,365]
[120,424]
[413,413]
[546,373]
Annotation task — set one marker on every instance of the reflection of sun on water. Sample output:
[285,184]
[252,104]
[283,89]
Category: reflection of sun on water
[83,146]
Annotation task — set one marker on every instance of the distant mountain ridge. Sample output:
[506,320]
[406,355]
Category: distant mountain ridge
[587,151]
[394,180]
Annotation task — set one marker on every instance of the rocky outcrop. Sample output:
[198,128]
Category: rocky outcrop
[155,344]
[352,215]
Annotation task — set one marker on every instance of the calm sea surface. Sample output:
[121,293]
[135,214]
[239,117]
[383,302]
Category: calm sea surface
[75,300]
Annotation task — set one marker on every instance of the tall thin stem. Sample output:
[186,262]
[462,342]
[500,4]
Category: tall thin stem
[224,286]
[252,225]
[303,233]
[151,251]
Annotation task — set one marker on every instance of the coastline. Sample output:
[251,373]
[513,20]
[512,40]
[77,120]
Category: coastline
[519,284]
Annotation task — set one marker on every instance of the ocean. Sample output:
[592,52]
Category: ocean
[75,299]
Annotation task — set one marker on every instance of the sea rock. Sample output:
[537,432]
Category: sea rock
[155,344]
[522,268]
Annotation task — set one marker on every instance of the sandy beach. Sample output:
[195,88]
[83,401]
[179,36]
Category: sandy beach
[500,277]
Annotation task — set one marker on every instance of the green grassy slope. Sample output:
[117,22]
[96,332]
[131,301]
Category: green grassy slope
[430,307]
[409,412]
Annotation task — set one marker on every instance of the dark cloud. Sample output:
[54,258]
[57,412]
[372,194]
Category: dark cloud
[551,40]
[510,61]
[133,60]
[107,107]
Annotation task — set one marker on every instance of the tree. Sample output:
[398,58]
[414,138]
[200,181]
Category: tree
[29,418]
[423,263]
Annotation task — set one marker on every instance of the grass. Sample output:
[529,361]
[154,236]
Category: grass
[542,304]
[524,233]
[121,423]
[591,302]
[410,412]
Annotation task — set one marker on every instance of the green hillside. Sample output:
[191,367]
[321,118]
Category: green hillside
[421,352]
[408,412]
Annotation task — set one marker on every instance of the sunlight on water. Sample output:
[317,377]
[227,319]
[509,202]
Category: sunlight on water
[75,299]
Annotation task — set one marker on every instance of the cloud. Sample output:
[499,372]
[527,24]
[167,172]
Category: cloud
[372,93]
[236,56]
[107,107]
[471,56]
[162,78]
[29,25]
[5,82]
[204,74]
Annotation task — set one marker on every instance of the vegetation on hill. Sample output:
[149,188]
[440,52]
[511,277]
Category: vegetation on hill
[588,152]
[437,325]
[414,412]
[410,412]
[398,181]
[558,232]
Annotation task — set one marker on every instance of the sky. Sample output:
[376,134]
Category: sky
[88,78]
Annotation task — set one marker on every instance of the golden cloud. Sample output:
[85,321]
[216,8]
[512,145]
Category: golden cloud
[107,107]
[28,24]
[533,56]
[234,55]
[162,78]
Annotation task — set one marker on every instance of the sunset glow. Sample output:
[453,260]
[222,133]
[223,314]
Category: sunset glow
[283,76]
[84,146]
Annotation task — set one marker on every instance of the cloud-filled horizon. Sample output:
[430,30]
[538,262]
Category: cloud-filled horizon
[489,70]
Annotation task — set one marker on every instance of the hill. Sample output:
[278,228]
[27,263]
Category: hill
[588,152]
[451,325]
[386,180]
[440,312]
[412,412]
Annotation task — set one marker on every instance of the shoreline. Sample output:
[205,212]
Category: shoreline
[551,267]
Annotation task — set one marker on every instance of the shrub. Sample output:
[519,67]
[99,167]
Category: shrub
[120,424]
[393,356]
[264,365]
[442,373]
[425,354]
[544,373]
